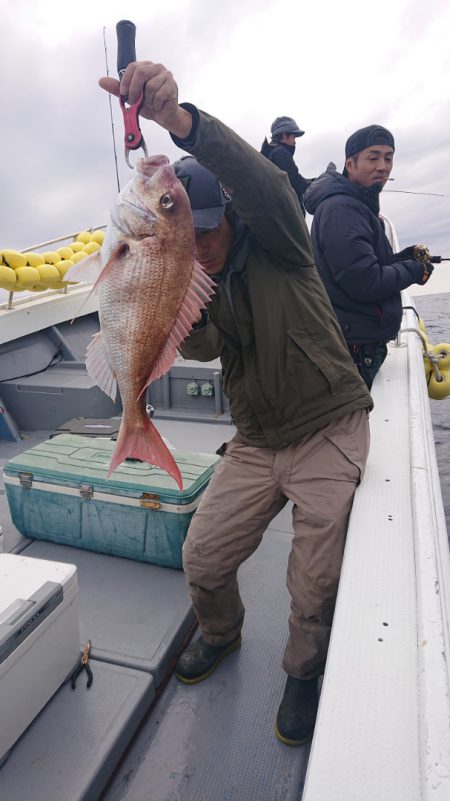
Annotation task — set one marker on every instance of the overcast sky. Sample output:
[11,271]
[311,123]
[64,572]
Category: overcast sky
[333,66]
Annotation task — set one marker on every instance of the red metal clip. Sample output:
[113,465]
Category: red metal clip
[133,134]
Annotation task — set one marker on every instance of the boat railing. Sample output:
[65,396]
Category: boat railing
[383,728]
[64,238]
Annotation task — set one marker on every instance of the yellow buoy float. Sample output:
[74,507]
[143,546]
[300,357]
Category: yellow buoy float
[78,256]
[34,259]
[91,247]
[84,236]
[36,272]
[63,265]
[13,258]
[441,352]
[76,246]
[65,253]
[436,362]
[98,236]
[439,388]
[49,275]
[8,278]
[51,257]
[27,277]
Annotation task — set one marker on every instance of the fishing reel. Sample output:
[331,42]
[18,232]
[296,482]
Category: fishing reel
[422,253]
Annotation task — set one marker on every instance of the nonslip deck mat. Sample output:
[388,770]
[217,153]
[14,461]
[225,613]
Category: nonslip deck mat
[70,750]
[135,614]
[215,741]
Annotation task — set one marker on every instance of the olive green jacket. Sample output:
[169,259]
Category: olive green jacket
[285,366]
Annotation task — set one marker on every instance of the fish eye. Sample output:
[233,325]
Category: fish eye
[167,202]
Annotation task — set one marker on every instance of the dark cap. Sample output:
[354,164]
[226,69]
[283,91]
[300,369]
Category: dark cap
[366,137]
[285,125]
[207,196]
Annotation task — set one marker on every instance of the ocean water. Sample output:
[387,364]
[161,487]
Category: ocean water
[435,312]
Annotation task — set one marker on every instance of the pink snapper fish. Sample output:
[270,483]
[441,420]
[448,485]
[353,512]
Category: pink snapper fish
[151,291]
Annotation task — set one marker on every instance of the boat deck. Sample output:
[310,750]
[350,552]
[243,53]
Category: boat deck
[382,730]
[193,742]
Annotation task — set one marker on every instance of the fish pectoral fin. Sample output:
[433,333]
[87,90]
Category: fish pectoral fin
[199,292]
[94,271]
[119,252]
[87,269]
[98,366]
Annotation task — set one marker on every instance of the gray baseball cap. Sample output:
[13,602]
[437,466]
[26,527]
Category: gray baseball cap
[208,198]
[285,125]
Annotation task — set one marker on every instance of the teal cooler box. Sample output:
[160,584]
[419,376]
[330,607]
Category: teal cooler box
[58,491]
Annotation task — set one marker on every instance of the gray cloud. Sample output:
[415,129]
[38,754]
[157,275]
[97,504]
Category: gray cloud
[58,171]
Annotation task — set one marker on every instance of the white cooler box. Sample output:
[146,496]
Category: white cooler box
[39,638]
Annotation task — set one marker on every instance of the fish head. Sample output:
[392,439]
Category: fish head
[152,199]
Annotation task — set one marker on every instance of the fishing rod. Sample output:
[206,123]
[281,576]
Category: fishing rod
[410,192]
[422,253]
[111,114]
[436,259]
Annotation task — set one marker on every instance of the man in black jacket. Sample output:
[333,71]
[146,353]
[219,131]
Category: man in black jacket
[362,275]
[280,151]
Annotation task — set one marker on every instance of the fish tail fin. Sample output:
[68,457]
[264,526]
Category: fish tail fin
[145,444]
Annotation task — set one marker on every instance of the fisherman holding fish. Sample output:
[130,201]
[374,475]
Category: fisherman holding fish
[299,406]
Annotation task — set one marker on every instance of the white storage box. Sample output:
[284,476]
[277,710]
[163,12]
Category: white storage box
[39,638]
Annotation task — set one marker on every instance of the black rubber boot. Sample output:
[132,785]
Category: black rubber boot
[298,710]
[200,659]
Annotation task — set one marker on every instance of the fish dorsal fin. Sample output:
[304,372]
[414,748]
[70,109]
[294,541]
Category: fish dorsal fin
[98,366]
[199,292]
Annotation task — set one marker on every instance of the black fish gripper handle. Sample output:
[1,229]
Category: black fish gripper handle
[126,44]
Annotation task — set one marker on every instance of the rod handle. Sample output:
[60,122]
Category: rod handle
[126,45]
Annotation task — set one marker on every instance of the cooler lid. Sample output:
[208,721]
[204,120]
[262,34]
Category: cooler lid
[21,576]
[73,459]
[30,590]
[90,427]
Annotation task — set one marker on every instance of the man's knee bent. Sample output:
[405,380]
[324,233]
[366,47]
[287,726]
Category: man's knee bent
[204,568]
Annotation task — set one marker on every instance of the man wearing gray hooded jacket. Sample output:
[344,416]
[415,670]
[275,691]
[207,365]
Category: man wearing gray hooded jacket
[362,275]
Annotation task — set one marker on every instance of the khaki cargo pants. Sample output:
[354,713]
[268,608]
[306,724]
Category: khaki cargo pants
[249,487]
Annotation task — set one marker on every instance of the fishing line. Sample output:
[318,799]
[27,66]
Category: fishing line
[111,113]
[406,192]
